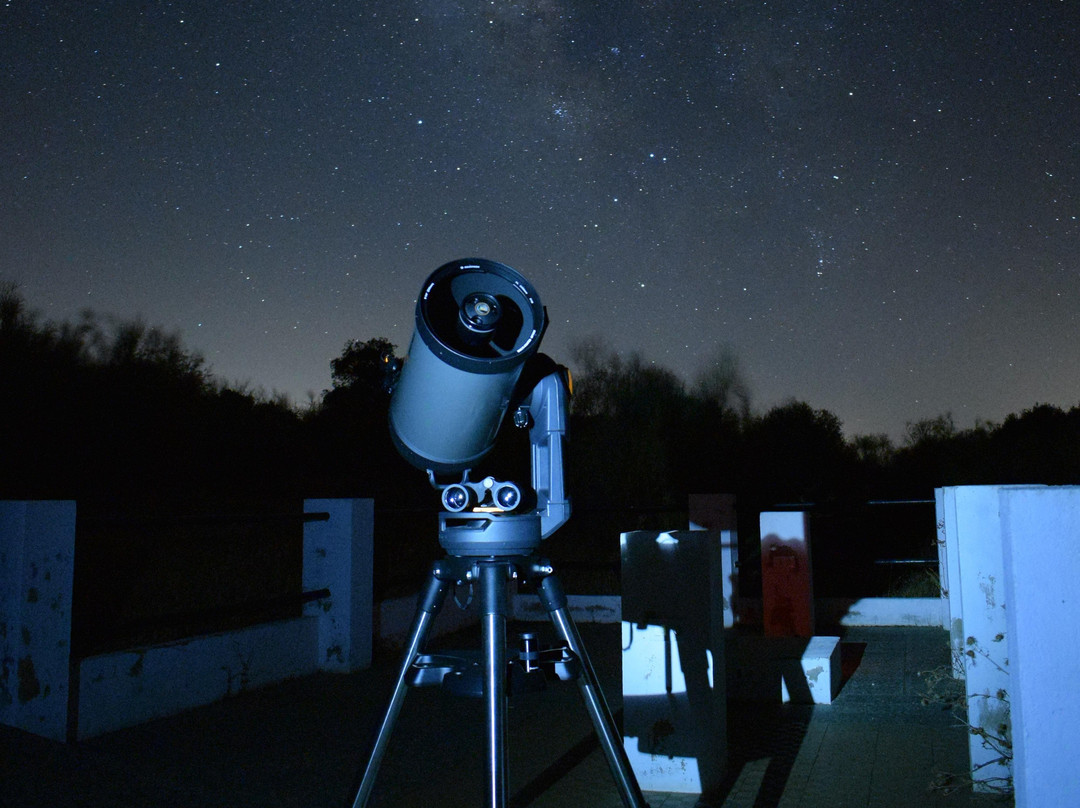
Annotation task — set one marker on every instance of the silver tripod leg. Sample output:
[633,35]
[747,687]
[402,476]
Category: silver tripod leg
[554,600]
[431,600]
[493,579]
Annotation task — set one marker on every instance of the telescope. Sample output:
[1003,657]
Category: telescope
[472,368]
[472,359]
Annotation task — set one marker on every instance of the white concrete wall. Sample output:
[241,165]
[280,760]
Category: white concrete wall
[130,687]
[37,551]
[949,573]
[717,512]
[973,534]
[674,705]
[1041,542]
[930,612]
[335,634]
[338,554]
[37,563]
[582,608]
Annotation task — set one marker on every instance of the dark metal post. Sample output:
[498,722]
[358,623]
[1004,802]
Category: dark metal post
[493,578]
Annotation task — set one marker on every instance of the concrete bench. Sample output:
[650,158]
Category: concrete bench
[804,670]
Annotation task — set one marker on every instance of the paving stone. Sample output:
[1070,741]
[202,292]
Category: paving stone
[300,745]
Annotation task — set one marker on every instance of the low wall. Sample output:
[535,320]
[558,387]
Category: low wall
[129,687]
[395,617]
[582,608]
[44,691]
[930,612]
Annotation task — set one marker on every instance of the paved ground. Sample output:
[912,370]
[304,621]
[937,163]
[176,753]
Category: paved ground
[300,744]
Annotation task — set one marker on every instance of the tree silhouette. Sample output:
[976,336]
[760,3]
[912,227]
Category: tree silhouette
[639,438]
[368,366]
[112,412]
[118,410]
[1039,445]
[349,431]
[628,419]
[794,453]
[938,429]
[720,382]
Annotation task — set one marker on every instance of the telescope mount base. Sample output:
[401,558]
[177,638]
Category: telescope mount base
[492,575]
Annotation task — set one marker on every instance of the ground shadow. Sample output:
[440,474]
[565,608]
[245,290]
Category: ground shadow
[764,739]
[851,654]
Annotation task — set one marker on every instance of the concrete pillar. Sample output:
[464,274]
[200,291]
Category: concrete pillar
[674,708]
[338,555]
[37,565]
[973,530]
[949,574]
[716,512]
[1041,540]
[787,592]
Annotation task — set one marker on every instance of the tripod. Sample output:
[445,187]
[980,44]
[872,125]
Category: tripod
[489,529]
[492,574]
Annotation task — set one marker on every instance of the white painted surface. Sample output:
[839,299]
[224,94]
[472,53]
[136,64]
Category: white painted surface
[804,670]
[130,687]
[1041,539]
[930,612]
[338,555]
[819,668]
[717,512]
[674,705]
[583,608]
[37,563]
[37,551]
[973,530]
[949,573]
[666,754]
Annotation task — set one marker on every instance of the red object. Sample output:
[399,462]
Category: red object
[786,583]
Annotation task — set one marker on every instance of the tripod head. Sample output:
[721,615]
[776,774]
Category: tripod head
[472,360]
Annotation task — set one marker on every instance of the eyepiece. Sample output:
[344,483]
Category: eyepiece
[507,496]
[455,498]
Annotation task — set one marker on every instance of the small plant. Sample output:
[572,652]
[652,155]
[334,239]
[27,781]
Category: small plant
[994,729]
[923,583]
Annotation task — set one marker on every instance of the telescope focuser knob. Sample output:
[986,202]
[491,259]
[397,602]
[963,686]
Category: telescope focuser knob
[522,417]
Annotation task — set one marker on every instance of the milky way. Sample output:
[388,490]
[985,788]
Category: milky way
[873,207]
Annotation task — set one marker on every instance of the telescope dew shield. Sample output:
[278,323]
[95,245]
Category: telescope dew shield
[477,322]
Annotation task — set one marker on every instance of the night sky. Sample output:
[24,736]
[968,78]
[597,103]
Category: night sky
[874,205]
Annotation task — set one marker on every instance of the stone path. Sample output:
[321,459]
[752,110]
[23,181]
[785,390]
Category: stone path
[300,745]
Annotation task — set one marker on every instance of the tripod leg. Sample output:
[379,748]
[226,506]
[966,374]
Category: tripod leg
[493,578]
[431,600]
[554,600]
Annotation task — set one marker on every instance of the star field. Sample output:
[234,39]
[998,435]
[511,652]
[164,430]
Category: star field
[874,207]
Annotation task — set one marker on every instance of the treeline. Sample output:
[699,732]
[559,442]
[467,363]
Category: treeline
[116,411]
[642,435]
[112,410]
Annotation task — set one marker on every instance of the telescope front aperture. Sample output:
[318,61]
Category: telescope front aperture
[477,323]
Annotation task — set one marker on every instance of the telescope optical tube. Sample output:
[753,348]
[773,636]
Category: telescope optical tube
[477,323]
